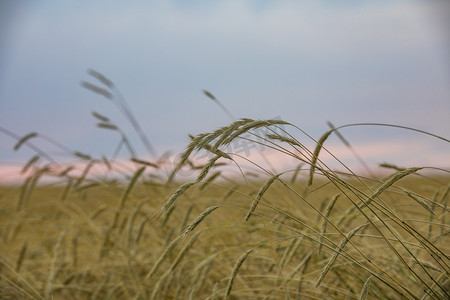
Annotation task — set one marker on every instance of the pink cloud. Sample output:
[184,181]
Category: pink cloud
[264,161]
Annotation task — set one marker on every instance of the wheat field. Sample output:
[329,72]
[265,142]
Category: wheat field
[308,232]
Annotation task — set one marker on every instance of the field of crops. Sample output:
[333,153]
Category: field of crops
[308,232]
[217,224]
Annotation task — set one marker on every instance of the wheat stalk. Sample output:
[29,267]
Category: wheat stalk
[236,268]
[336,253]
[24,139]
[325,222]
[259,195]
[197,221]
[315,156]
[175,196]
[163,257]
[98,90]
[21,257]
[29,163]
[365,289]
[53,269]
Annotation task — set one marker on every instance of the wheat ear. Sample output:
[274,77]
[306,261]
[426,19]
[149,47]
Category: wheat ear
[337,252]
[236,270]
[259,196]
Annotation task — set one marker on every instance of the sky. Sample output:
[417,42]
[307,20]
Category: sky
[306,62]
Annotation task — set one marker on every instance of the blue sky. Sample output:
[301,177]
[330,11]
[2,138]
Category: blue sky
[303,61]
